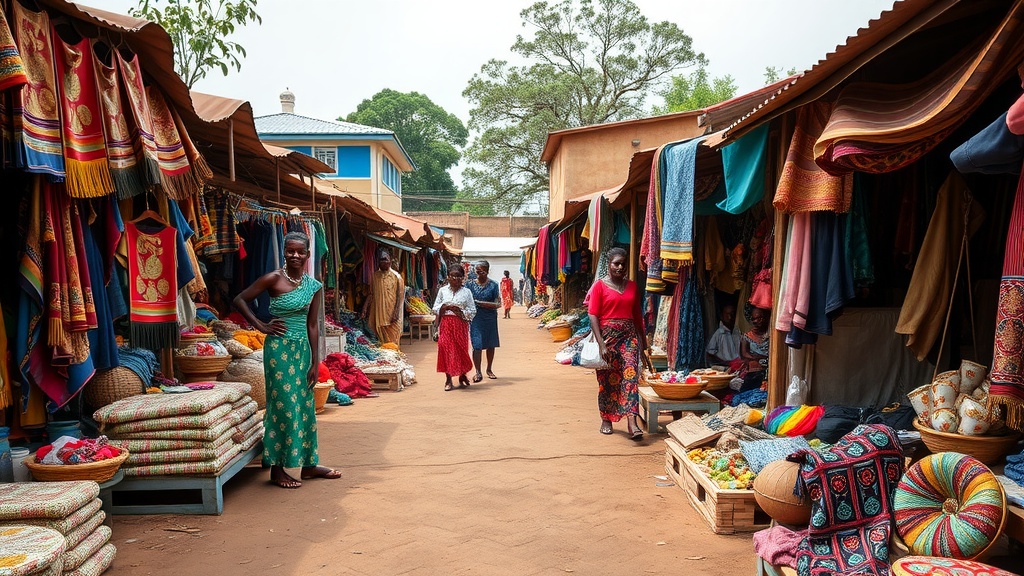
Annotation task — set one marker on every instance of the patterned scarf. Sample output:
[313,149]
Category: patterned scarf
[12,70]
[176,176]
[152,282]
[40,115]
[122,156]
[678,184]
[85,156]
[142,135]
[650,243]
[1008,359]
[804,186]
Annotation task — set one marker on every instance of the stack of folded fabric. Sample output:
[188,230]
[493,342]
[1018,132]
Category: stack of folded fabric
[192,434]
[70,508]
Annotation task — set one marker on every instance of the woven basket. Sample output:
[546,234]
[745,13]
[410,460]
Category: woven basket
[201,368]
[560,333]
[109,386]
[96,471]
[185,340]
[987,449]
[320,393]
[252,374]
[677,390]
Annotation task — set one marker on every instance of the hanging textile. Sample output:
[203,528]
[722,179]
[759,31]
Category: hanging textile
[678,184]
[650,240]
[1008,360]
[121,157]
[691,344]
[40,114]
[856,246]
[152,265]
[71,309]
[878,128]
[931,286]
[829,284]
[142,117]
[199,171]
[87,174]
[176,176]
[543,253]
[222,220]
[804,186]
[794,290]
[6,394]
[12,69]
[102,340]
[743,164]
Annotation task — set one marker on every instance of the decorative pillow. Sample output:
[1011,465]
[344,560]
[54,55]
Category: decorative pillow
[925,565]
[949,505]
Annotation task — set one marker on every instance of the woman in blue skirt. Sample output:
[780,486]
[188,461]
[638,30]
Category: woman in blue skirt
[483,332]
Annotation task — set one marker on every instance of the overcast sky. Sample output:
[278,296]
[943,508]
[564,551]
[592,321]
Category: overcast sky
[334,54]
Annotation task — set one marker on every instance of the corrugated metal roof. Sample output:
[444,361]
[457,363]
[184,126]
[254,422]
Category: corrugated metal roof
[285,123]
[494,245]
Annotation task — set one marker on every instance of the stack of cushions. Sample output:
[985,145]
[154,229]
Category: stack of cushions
[851,486]
[194,434]
[30,550]
[928,566]
[949,505]
[72,509]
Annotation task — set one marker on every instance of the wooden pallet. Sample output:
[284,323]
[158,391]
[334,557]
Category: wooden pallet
[388,381]
[726,511]
[195,494]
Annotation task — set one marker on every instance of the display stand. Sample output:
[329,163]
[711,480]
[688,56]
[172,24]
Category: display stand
[209,490]
[651,404]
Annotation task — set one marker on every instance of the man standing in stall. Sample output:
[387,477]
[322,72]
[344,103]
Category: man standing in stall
[386,301]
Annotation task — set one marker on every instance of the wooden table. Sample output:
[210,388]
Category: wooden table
[651,404]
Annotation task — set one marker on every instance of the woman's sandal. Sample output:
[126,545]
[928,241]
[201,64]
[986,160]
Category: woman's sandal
[285,481]
[463,381]
[448,386]
[606,427]
[478,377]
[320,472]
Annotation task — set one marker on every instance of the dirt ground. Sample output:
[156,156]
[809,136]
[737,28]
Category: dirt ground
[509,476]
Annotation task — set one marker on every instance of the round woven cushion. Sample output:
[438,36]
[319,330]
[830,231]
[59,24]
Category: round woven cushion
[29,549]
[949,505]
[922,565]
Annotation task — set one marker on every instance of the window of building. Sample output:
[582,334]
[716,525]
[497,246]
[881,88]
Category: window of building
[328,156]
[391,176]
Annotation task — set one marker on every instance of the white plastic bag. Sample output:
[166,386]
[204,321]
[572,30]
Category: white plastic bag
[590,355]
[796,394]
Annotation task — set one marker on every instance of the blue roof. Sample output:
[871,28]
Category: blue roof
[285,123]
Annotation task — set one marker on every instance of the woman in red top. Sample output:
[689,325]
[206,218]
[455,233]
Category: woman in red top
[613,304]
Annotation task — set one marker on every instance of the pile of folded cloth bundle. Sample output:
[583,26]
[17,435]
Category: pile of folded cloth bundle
[72,509]
[190,434]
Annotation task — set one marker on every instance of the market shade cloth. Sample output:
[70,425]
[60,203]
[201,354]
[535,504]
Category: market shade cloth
[393,243]
[878,128]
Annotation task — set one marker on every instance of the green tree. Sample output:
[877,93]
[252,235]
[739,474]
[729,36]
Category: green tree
[773,74]
[431,136]
[200,30]
[586,62]
[695,91]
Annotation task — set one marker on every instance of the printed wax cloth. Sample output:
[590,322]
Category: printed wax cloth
[53,500]
[150,406]
[69,523]
[29,549]
[851,487]
[77,556]
[97,563]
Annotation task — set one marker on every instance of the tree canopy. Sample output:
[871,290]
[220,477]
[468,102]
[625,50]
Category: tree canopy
[432,137]
[774,74]
[200,30]
[695,91]
[585,62]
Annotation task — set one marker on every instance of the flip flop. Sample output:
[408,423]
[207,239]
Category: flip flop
[637,434]
[606,429]
[322,472]
[448,387]
[287,482]
[478,378]
[492,376]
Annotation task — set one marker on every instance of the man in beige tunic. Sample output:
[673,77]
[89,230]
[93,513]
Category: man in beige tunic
[384,305]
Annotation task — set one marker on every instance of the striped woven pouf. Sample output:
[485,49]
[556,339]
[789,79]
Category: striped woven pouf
[926,566]
[949,505]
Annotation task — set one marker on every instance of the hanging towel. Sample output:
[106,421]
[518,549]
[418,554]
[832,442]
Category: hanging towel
[804,186]
[85,154]
[122,157]
[12,69]
[678,183]
[40,114]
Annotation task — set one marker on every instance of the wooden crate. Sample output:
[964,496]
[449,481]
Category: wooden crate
[387,381]
[726,511]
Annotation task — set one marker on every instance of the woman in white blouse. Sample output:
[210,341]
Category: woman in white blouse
[455,309]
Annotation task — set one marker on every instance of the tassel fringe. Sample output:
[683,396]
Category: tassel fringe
[88,179]
[154,335]
[1014,408]
[127,182]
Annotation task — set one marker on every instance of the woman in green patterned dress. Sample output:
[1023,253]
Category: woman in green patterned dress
[289,426]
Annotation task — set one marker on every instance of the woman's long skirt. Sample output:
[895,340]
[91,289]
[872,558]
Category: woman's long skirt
[289,425]
[453,347]
[617,393]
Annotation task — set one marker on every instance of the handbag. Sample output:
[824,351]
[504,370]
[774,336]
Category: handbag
[590,354]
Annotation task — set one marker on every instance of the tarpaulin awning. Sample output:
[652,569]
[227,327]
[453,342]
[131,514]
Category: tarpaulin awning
[393,242]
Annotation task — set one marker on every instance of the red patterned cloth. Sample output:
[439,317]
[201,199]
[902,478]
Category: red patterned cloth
[347,378]
[618,393]
[453,347]
[1008,359]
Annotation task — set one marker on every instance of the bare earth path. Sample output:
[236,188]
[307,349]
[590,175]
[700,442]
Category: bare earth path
[509,477]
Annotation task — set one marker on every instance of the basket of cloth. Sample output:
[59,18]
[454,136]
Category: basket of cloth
[109,386]
[76,459]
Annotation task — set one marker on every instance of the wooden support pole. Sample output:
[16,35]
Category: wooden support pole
[778,352]
[312,188]
[634,260]
[277,166]
[231,149]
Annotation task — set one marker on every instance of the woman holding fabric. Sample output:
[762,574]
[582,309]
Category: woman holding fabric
[507,296]
[455,309]
[613,304]
[483,332]
[289,437]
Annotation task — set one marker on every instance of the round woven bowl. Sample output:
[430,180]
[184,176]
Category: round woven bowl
[320,393]
[201,368]
[252,374]
[718,382]
[96,471]
[560,333]
[677,390]
[109,386]
[987,449]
